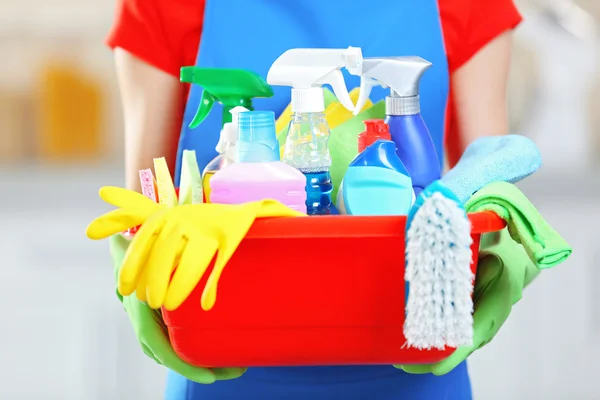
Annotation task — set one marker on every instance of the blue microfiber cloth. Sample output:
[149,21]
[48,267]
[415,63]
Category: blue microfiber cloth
[508,158]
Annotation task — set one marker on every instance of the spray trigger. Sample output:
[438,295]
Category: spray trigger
[336,80]
[206,102]
[366,85]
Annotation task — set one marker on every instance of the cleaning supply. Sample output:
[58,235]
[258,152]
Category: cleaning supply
[376,183]
[258,174]
[190,183]
[335,114]
[283,121]
[176,245]
[403,109]
[164,183]
[439,280]
[342,144]
[543,244]
[375,129]
[306,70]
[503,271]
[507,158]
[152,333]
[230,87]
[226,149]
[148,184]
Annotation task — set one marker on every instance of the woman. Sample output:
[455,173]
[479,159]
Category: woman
[463,98]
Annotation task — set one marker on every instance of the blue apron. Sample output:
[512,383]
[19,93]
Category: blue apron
[251,35]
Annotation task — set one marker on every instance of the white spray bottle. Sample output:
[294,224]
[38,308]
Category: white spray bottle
[306,71]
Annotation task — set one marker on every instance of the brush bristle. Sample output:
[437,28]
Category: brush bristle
[438,254]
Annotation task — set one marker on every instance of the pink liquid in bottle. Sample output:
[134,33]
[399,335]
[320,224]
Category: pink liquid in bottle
[257,173]
[245,182]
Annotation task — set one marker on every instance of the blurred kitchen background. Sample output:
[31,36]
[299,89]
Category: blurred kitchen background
[64,334]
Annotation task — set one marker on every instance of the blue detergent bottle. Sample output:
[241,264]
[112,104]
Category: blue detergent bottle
[413,142]
[306,145]
[376,182]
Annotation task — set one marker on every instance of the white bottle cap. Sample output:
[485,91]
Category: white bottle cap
[234,114]
[229,133]
[310,100]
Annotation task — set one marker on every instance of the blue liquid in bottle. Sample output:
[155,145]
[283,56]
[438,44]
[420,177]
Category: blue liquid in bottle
[318,193]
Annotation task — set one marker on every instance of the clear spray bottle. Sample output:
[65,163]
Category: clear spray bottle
[306,144]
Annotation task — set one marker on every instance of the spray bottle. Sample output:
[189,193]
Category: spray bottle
[306,70]
[230,87]
[226,149]
[413,142]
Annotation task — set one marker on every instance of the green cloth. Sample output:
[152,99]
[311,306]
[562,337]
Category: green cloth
[544,245]
[343,143]
[151,331]
[503,271]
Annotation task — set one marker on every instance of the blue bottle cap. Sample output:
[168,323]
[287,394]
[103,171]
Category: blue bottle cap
[257,140]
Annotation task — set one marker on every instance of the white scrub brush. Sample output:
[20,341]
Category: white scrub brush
[439,305]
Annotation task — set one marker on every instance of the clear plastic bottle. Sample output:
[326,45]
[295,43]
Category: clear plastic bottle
[306,71]
[306,149]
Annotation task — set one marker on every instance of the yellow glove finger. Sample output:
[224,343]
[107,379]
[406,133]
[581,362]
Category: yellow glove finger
[162,262]
[125,198]
[195,260]
[114,222]
[137,254]
[232,235]
[134,209]
[140,288]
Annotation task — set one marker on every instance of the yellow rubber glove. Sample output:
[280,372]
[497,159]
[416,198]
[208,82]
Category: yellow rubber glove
[182,239]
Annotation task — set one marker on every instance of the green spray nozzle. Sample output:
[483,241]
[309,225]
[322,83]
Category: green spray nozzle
[230,87]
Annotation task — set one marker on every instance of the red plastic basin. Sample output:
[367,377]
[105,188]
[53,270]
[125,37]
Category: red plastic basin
[309,291]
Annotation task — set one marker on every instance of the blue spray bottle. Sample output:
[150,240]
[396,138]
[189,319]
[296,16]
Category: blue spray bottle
[413,142]
[306,144]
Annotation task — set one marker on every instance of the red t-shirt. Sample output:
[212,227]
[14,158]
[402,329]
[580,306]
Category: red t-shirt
[166,35]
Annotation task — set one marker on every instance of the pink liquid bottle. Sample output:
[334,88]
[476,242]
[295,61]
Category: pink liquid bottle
[258,173]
